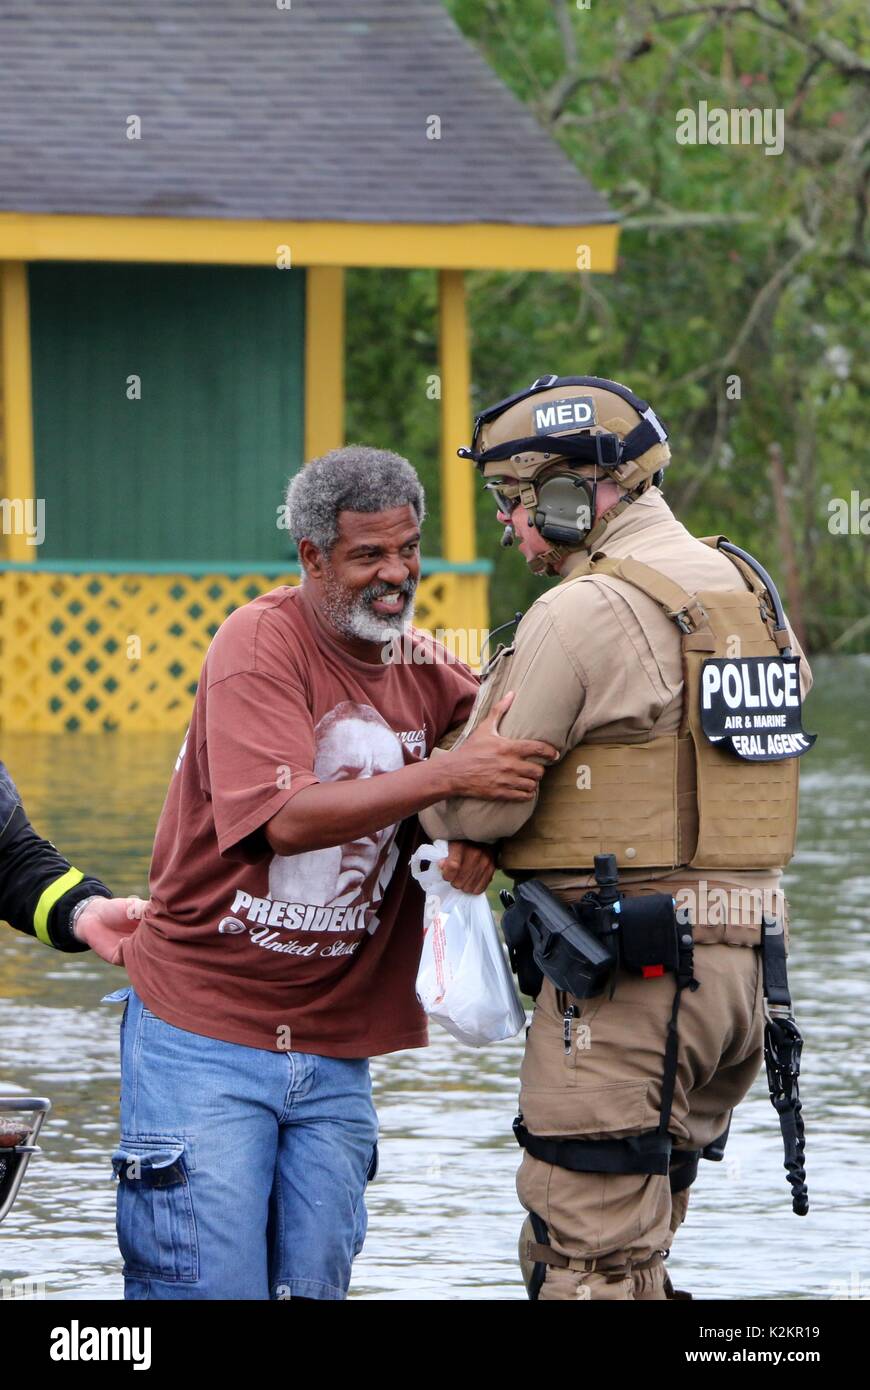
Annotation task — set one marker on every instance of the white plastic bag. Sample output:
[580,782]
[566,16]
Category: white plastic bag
[463,981]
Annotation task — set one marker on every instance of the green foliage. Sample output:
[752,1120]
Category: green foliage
[392,352]
[733,262]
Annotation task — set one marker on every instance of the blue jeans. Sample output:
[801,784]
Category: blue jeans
[241,1172]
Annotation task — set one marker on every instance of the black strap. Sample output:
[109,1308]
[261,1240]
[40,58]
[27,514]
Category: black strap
[783,1045]
[608,450]
[640,439]
[774,971]
[649,1152]
[636,442]
[669,1074]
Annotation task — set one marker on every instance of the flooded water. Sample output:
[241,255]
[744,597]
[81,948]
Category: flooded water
[444,1217]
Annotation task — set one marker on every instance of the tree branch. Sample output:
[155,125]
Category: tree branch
[838,54]
[675,221]
[768,292]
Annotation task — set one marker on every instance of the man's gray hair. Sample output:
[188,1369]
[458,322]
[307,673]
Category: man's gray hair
[355,478]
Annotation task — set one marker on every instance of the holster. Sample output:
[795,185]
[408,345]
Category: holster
[578,945]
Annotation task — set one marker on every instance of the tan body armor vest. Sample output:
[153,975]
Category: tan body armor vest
[677,800]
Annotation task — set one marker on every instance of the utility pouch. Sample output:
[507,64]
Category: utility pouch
[649,935]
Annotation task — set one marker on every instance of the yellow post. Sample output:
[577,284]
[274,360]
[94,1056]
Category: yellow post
[468,602]
[324,359]
[17,416]
[457,477]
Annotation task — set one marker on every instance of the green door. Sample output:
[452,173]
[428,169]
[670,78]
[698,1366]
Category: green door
[195,469]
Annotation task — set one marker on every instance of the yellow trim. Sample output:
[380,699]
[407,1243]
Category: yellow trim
[324,360]
[17,420]
[457,475]
[49,897]
[465,246]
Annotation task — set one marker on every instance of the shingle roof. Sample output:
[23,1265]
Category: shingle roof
[317,112]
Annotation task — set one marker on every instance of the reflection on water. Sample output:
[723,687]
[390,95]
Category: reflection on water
[444,1217]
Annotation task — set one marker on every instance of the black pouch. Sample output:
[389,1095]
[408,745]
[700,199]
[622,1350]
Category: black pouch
[649,934]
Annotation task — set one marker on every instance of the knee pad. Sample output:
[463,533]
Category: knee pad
[534,1233]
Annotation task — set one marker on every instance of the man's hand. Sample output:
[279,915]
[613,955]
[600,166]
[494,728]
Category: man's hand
[105,923]
[468,867]
[494,768]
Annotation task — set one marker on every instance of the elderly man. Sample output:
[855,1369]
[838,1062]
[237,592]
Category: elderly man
[279,949]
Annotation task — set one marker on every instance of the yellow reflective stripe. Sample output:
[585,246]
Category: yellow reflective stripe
[49,897]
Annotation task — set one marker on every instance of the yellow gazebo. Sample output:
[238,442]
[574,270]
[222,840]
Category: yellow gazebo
[181,192]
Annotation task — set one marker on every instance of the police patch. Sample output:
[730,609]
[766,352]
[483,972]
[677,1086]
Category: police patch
[752,707]
[572,413]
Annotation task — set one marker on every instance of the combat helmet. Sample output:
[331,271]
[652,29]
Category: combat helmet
[548,446]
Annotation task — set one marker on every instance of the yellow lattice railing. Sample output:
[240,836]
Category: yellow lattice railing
[100,651]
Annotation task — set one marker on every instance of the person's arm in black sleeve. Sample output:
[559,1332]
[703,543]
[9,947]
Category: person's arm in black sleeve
[38,887]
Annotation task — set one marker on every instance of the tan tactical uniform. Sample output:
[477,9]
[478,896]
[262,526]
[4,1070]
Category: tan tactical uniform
[600,662]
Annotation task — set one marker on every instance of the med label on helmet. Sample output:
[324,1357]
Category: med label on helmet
[571,413]
[752,707]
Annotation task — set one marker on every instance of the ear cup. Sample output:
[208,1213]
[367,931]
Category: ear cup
[565,512]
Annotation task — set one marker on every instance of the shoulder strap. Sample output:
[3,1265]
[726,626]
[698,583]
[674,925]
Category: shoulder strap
[680,606]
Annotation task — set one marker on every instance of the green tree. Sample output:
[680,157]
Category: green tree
[737,304]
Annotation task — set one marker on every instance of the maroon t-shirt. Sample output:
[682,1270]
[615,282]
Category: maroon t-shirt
[313,952]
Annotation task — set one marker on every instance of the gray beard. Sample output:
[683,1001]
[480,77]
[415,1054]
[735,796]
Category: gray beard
[350,613]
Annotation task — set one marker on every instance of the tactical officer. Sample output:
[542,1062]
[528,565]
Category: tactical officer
[649,864]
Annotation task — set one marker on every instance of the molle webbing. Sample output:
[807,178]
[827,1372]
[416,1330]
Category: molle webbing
[634,800]
[676,800]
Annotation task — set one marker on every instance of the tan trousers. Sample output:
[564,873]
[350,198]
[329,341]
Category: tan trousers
[605,1082]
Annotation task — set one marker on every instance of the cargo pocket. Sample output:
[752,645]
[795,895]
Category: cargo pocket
[156,1227]
[557,1043]
[563,1088]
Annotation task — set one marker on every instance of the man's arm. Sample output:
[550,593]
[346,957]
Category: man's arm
[333,813]
[550,690]
[38,887]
